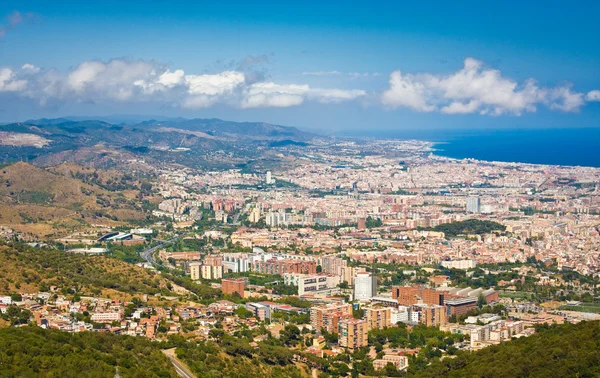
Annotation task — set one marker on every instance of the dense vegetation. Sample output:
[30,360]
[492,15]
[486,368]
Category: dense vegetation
[27,269]
[556,351]
[206,359]
[469,227]
[36,352]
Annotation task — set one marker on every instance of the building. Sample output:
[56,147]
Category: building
[399,362]
[280,267]
[195,270]
[430,315]
[260,311]
[353,333]
[473,205]
[179,256]
[333,265]
[211,272]
[459,264]
[269,178]
[410,295]
[312,283]
[232,285]
[106,317]
[404,314]
[236,262]
[328,316]
[365,286]
[378,317]
[460,306]
[254,216]
[349,272]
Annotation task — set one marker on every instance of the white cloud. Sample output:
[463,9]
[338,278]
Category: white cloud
[461,108]
[124,80]
[475,89]
[30,68]
[214,85]
[593,95]
[564,99]
[285,95]
[335,95]
[407,91]
[9,81]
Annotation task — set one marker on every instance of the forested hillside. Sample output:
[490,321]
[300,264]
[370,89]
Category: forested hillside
[27,269]
[36,352]
[556,351]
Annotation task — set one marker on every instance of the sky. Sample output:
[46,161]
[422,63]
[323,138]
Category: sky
[338,66]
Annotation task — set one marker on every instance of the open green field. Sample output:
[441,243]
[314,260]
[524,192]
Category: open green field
[584,307]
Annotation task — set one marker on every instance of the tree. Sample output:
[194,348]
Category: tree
[481,301]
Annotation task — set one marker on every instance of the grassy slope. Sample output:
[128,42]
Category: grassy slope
[48,202]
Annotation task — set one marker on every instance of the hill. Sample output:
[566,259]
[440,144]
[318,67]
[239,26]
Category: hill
[37,352]
[569,350]
[48,202]
[45,141]
[28,270]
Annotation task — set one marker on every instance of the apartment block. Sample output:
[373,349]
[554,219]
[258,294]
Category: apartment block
[353,333]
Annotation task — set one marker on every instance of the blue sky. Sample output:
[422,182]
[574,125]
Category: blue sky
[335,66]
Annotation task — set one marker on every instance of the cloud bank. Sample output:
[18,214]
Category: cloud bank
[476,89]
[472,89]
[139,80]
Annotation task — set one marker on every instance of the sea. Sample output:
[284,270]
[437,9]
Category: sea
[567,146]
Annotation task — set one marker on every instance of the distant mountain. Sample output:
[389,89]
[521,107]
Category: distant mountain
[219,127]
[113,119]
[191,142]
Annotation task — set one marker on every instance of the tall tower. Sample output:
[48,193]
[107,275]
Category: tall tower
[473,205]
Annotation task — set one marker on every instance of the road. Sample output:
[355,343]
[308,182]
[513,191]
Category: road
[180,368]
[148,253]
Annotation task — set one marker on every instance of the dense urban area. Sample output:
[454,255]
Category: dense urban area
[324,257]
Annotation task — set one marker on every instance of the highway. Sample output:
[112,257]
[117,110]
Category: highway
[148,253]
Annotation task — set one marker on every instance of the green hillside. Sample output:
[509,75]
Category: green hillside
[36,352]
[556,351]
[27,270]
